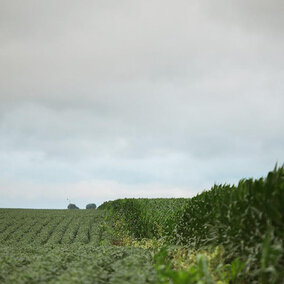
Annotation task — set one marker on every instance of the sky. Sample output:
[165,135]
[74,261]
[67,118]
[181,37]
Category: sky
[107,99]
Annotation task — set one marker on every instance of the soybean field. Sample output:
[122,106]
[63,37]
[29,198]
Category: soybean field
[66,246]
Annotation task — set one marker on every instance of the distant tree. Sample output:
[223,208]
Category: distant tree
[72,206]
[91,206]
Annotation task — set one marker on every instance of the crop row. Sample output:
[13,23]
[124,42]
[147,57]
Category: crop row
[49,227]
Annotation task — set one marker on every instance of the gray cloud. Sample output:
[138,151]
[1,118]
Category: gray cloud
[161,94]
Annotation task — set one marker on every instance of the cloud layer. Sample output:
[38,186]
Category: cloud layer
[101,99]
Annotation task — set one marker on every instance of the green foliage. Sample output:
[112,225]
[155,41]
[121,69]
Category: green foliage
[229,234]
[91,206]
[195,273]
[67,246]
[271,259]
[72,206]
[147,218]
[75,264]
[237,217]
[201,269]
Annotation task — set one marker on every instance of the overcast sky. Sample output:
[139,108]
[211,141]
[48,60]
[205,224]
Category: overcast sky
[109,99]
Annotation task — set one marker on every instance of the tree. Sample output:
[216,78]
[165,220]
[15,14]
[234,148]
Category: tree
[72,206]
[91,206]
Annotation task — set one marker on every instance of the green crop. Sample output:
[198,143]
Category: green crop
[239,218]
[229,234]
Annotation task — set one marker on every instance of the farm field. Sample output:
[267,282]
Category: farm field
[229,234]
[63,246]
